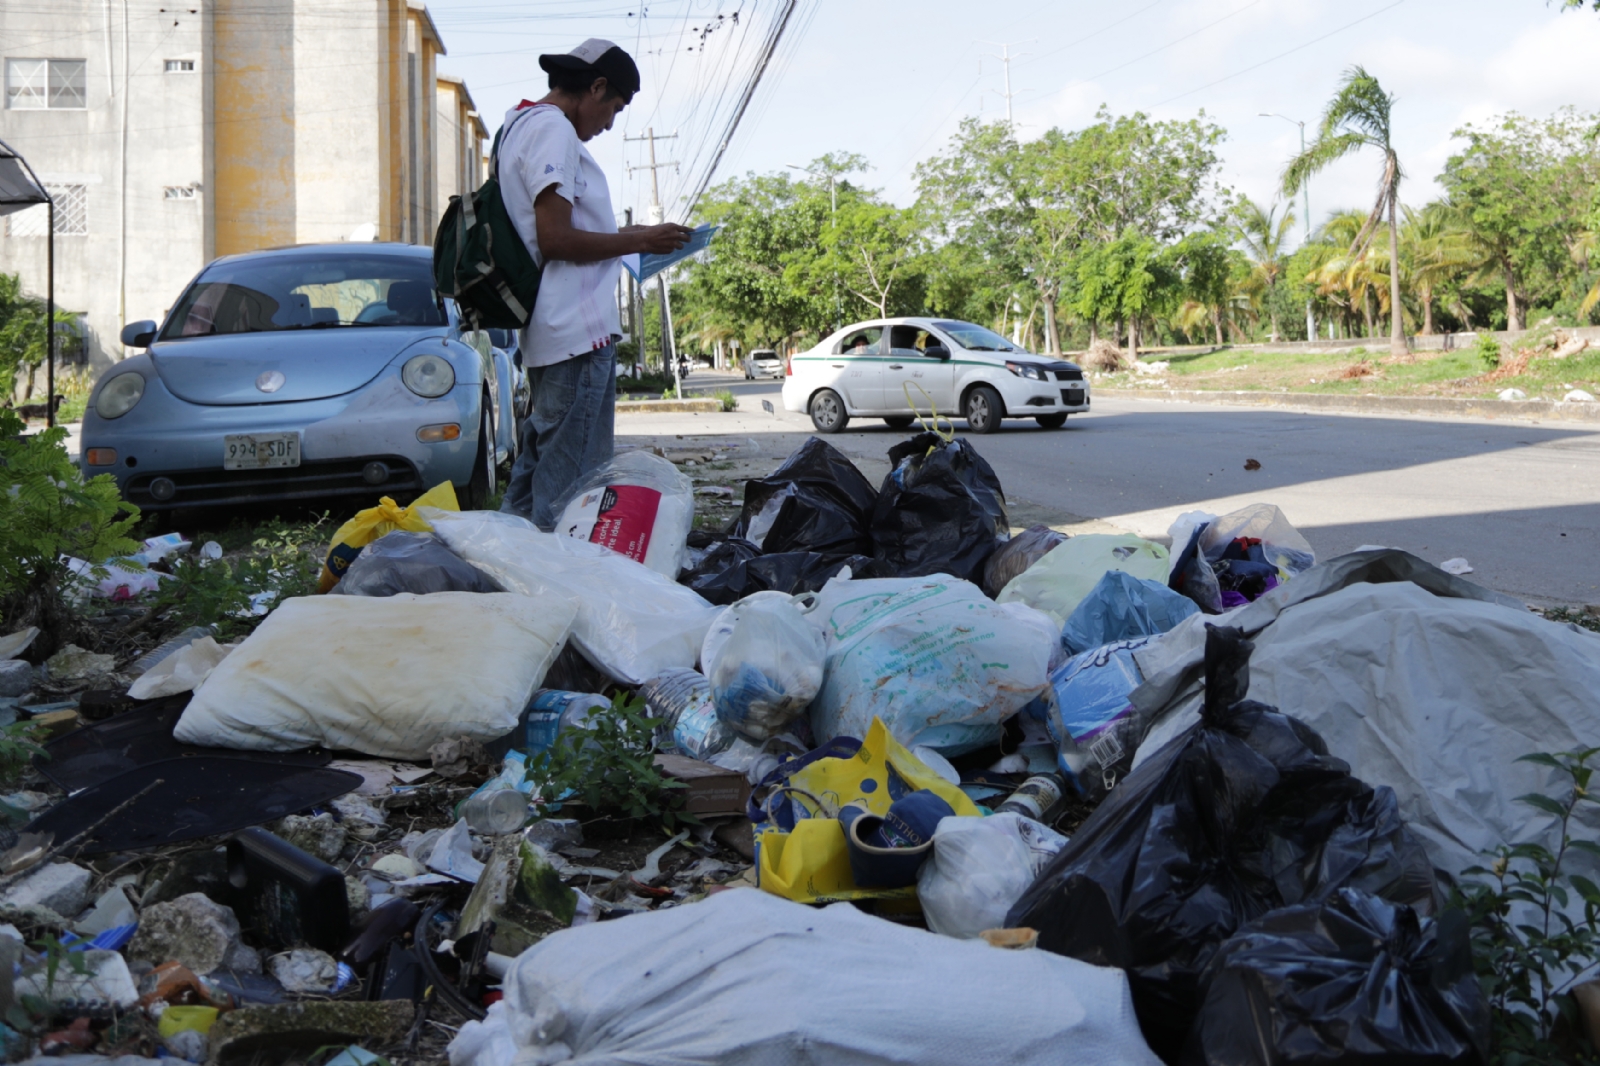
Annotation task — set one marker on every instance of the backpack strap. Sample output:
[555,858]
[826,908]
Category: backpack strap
[494,149]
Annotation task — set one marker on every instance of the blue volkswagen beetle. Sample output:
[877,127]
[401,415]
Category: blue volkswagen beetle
[306,372]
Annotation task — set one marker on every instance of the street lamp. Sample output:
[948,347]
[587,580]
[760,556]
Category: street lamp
[1305,189]
[833,221]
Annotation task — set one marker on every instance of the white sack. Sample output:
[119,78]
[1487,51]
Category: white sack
[936,659]
[1433,695]
[639,505]
[979,868]
[632,622]
[389,677]
[748,979]
[1057,583]
[182,671]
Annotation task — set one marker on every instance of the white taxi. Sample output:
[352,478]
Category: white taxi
[893,368]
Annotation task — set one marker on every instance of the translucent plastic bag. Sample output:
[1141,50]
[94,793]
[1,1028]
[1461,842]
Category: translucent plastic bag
[1226,562]
[638,505]
[980,867]
[1057,583]
[1123,607]
[764,661]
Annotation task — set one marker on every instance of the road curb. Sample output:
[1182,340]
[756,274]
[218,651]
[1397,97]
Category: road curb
[1554,410]
[667,407]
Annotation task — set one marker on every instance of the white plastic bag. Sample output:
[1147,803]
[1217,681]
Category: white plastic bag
[389,677]
[936,659]
[638,505]
[764,661]
[182,671]
[748,979]
[632,622]
[1059,582]
[979,868]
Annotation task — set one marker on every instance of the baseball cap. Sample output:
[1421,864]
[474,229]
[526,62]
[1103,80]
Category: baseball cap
[599,57]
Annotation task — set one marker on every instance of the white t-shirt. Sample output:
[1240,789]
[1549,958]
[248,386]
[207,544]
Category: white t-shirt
[576,311]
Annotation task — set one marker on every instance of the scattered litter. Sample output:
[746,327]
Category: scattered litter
[1016,555]
[182,671]
[719,492]
[14,644]
[1058,582]
[374,522]
[1457,566]
[73,663]
[1123,607]
[681,699]
[979,868]
[1252,464]
[941,510]
[1512,394]
[816,501]
[452,855]
[410,562]
[305,970]
[1578,396]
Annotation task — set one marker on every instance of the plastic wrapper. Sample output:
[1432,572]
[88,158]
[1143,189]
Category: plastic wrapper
[1089,718]
[1353,980]
[940,511]
[817,501]
[1123,607]
[1243,814]
[1057,583]
[638,505]
[764,662]
[410,562]
[979,868]
[790,572]
[936,659]
[1016,555]
[689,723]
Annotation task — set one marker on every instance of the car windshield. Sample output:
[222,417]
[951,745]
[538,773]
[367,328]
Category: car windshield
[270,293]
[977,339]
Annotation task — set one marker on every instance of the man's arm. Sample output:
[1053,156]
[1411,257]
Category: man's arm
[552,214]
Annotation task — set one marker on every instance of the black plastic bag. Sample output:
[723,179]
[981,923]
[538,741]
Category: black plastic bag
[790,572]
[1243,814]
[1354,979]
[939,512]
[817,501]
[717,558]
[411,562]
[1016,555]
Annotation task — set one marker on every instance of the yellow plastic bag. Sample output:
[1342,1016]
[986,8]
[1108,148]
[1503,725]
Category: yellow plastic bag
[811,864]
[367,526]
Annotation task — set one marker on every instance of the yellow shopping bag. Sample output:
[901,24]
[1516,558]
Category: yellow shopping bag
[811,864]
[367,526]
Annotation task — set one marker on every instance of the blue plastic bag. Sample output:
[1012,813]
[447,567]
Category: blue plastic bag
[1090,717]
[1123,607]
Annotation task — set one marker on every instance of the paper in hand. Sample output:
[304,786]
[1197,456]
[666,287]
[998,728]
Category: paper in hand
[648,265]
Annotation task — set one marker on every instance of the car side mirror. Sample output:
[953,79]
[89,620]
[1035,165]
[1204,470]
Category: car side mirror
[937,351]
[139,334]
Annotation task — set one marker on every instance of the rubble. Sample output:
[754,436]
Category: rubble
[305,970]
[306,1026]
[195,931]
[62,887]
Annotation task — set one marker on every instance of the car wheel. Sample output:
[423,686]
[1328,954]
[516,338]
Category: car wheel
[1055,421]
[983,410]
[484,477]
[828,413]
[899,421]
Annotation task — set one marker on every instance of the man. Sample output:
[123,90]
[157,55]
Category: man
[559,201]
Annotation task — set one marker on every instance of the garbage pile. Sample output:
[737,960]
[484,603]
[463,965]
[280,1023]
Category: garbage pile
[595,795]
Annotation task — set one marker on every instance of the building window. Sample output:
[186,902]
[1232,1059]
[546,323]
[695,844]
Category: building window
[72,214]
[37,84]
[178,192]
[180,66]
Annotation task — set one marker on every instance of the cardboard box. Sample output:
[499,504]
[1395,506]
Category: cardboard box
[711,790]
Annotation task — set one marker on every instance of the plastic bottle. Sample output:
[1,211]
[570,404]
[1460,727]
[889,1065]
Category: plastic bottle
[143,664]
[1039,798]
[682,699]
[547,714]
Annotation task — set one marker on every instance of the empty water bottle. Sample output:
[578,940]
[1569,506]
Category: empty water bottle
[682,700]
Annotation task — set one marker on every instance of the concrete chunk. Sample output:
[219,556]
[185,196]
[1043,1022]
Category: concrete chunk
[63,887]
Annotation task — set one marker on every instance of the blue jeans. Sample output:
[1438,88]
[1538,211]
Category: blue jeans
[567,435]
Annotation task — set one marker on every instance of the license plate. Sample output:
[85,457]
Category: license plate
[253,451]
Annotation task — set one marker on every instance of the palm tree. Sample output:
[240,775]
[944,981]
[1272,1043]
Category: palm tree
[1263,235]
[1435,250]
[1358,117]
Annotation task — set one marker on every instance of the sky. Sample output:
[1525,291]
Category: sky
[891,79]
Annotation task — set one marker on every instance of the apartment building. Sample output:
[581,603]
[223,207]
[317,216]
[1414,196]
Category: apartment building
[171,133]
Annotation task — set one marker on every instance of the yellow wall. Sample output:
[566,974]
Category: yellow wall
[253,137]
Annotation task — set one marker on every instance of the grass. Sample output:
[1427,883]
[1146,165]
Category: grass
[1361,371]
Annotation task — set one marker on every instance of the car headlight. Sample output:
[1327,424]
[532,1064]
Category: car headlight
[118,395]
[428,375]
[1023,370]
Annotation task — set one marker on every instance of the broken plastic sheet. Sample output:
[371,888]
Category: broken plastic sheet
[632,623]
[389,677]
[790,983]
[1422,680]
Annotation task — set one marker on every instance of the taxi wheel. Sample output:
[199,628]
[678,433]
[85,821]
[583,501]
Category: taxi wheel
[828,413]
[983,409]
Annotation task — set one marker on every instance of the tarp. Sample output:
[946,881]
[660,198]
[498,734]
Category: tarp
[18,189]
[1424,682]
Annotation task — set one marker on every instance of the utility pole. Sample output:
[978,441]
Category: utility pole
[1005,57]
[1305,187]
[656,218]
[635,309]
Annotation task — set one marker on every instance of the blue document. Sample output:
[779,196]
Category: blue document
[646,266]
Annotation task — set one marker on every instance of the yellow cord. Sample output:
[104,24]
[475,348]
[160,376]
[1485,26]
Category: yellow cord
[930,424]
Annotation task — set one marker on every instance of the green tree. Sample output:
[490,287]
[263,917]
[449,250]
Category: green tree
[872,249]
[1263,233]
[1206,263]
[1434,249]
[1127,280]
[1360,116]
[23,335]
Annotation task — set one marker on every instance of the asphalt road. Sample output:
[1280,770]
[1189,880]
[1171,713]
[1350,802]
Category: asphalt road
[1519,500]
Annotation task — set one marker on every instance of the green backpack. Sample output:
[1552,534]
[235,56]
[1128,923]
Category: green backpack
[480,261]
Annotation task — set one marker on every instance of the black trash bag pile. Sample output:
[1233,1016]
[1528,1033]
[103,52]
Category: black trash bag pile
[817,501]
[723,583]
[940,511]
[1240,816]
[1353,979]
[411,562]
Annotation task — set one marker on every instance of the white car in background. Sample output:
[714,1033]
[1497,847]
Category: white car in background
[762,363]
[892,368]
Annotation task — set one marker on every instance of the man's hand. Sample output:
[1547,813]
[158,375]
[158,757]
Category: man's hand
[663,239]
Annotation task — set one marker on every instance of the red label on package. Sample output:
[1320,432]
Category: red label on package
[626,518]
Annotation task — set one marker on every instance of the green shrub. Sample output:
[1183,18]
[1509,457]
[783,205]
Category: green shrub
[282,561]
[1488,351]
[608,763]
[48,511]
